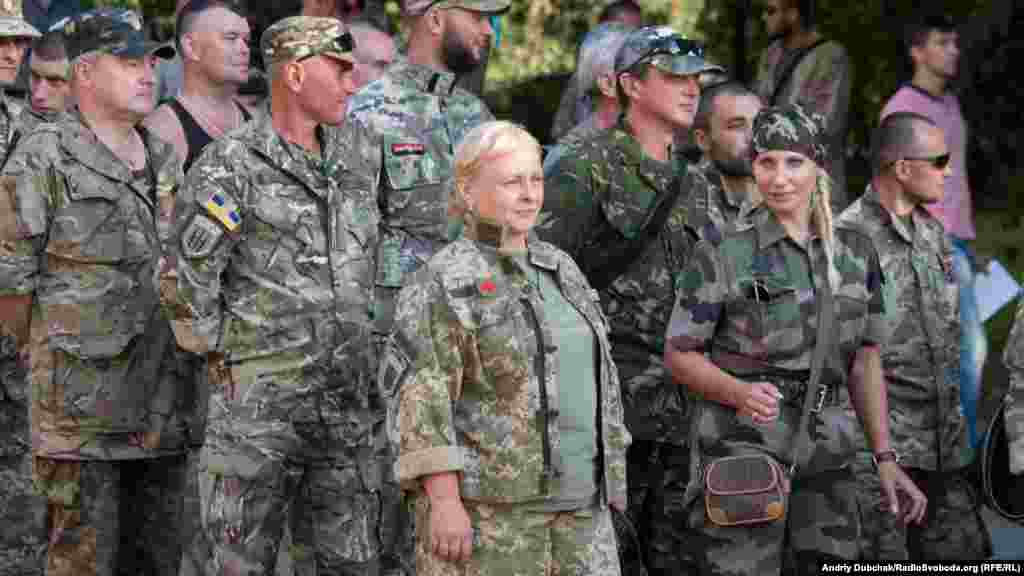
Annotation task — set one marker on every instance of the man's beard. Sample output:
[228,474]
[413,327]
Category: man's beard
[734,167]
[458,57]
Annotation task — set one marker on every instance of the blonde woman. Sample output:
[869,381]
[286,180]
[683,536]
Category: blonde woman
[742,337]
[505,403]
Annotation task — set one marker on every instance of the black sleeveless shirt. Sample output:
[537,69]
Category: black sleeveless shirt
[195,137]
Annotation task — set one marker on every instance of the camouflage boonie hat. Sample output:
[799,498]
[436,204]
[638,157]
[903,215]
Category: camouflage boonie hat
[299,37]
[113,31]
[13,23]
[789,128]
[418,7]
[666,50]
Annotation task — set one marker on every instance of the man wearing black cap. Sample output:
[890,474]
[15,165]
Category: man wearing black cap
[93,195]
[617,204]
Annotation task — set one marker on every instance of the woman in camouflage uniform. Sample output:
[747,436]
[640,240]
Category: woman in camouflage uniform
[505,402]
[749,303]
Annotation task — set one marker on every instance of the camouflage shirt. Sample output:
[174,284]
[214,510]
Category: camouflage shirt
[601,195]
[712,207]
[275,271]
[472,373]
[567,144]
[10,111]
[27,122]
[1013,358]
[105,381]
[921,362]
[749,302]
[418,115]
[820,83]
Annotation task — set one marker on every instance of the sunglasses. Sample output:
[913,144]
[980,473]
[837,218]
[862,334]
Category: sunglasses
[341,44]
[673,46]
[938,162]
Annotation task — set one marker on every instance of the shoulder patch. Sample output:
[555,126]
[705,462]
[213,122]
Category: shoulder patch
[200,237]
[224,210]
[408,149]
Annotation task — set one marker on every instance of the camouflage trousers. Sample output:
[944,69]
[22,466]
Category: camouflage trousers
[669,549]
[22,510]
[820,523]
[953,528]
[510,539]
[112,517]
[259,474]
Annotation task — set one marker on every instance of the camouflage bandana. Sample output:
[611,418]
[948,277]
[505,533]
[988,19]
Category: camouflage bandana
[110,30]
[791,129]
[420,7]
[13,23]
[301,37]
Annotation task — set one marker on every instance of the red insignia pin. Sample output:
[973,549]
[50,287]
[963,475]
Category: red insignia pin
[488,287]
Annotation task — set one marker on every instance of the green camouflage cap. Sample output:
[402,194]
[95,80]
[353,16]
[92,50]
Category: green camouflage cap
[666,50]
[418,7]
[789,128]
[13,23]
[110,30]
[299,37]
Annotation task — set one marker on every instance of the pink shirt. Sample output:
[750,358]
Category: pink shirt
[955,211]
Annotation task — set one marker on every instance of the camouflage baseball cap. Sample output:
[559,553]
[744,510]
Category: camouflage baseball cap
[791,129]
[300,37]
[666,50]
[110,30]
[418,7]
[13,23]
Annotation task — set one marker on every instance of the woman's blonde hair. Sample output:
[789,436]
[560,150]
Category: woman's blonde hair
[480,145]
[821,218]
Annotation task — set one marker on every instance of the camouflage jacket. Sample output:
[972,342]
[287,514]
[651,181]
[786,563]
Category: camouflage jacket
[567,144]
[418,115]
[1013,358]
[712,208]
[820,83]
[86,247]
[467,367]
[922,301]
[749,302]
[275,270]
[10,111]
[601,195]
[27,122]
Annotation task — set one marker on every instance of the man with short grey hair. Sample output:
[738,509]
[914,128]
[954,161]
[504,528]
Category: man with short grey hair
[109,410]
[375,51]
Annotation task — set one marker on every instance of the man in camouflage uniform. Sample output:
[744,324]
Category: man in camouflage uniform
[598,200]
[49,83]
[22,537]
[802,67]
[417,115]
[108,405]
[921,362]
[723,181]
[274,276]
[1013,358]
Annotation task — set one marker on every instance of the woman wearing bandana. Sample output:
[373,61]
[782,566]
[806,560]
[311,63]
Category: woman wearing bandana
[742,338]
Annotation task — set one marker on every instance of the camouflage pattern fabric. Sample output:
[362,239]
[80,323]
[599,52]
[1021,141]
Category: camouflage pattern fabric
[418,115]
[95,320]
[953,530]
[27,121]
[511,540]
[1013,358]
[567,144]
[469,379]
[110,518]
[298,37]
[820,84]
[790,128]
[418,7]
[12,21]
[114,31]
[749,303]
[922,301]
[10,111]
[712,207]
[274,277]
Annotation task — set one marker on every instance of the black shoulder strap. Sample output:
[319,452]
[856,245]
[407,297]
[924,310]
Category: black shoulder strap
[246,116]
[822,346]
[797,59]
[617,263]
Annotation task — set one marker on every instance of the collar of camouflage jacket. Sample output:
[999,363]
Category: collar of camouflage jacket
[919,216]
[425,78]
[769,230]
[487,237]
[260,137]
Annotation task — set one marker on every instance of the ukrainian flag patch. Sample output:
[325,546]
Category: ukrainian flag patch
[224,210]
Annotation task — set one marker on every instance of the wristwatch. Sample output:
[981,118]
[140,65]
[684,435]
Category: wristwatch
[885,456]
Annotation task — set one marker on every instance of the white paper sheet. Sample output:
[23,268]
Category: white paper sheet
[994,289]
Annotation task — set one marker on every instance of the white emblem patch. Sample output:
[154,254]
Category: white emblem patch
[200,237]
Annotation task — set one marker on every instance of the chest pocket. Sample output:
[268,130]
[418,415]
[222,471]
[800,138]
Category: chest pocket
[412,170]
[769,310]
[287,232]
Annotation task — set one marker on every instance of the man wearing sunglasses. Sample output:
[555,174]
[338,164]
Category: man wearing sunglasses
[275,231]
[617,204]
[921,362]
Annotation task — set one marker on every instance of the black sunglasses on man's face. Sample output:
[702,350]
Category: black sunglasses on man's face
[938,162]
